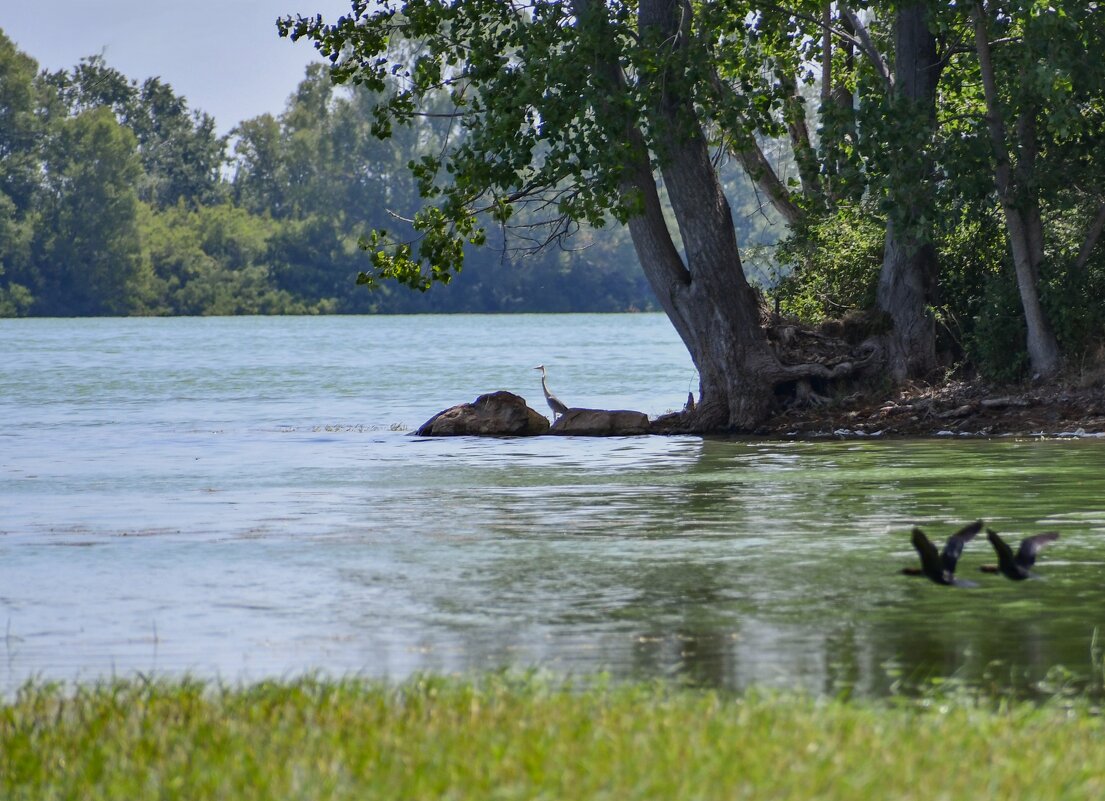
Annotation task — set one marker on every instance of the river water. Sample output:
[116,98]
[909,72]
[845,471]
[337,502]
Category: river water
[241,498]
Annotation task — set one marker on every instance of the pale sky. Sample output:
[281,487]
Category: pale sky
[223,56]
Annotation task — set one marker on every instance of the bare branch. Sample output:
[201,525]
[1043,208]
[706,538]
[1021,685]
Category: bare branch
[748,152]
[1093,233]
[820,23]
[867,45]
[763,175]
[826,54]
[794,112]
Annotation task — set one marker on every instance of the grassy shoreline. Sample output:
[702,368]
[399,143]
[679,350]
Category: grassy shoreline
[502,737]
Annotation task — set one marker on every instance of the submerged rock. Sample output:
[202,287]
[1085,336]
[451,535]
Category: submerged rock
[496,414]
[601,423]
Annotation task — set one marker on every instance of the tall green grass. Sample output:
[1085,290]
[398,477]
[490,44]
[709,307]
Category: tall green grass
[504,737]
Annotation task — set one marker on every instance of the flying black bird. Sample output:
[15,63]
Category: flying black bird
[1016,566]
[940,567]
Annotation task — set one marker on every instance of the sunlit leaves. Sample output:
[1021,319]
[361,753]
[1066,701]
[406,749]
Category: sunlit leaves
[538,125]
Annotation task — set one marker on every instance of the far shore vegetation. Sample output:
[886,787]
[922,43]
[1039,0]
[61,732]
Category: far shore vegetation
[504,737]
[119,198]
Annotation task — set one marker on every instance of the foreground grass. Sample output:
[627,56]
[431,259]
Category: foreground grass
[508,738]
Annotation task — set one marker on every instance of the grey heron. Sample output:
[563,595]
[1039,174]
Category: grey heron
[1016,566]
[940,567]
[554,402]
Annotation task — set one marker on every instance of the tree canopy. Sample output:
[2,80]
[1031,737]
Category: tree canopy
[947,126]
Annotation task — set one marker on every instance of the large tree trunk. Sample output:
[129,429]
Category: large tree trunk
[1022,225]
[713,307]
[703,290]
[906,285]
[907,281]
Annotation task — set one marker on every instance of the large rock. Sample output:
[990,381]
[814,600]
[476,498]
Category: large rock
[496,414]
[601,423]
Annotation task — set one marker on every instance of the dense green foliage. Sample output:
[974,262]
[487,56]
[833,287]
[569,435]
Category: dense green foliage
[1051,94]
[505,738]
[541,129]
[116,198]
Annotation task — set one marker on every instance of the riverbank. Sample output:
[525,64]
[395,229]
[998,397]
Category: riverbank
[521,738]
[953,408]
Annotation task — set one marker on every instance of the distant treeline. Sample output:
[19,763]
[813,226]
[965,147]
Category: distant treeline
[117,198]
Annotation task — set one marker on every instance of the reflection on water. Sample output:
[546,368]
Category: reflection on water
[255,515]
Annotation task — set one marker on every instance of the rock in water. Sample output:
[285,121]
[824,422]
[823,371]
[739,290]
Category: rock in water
[601,423]
[496,414]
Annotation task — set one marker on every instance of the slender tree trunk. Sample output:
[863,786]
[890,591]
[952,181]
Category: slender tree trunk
[907,281]
[1093,233]
[838,117]
[794,111]
[759,169]
[826,53]
[1024,231]
[1025,177]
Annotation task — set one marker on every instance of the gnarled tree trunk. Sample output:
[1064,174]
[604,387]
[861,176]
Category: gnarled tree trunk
[702,289]
[707,296]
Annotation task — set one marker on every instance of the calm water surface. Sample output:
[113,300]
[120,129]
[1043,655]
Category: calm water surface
[241,498]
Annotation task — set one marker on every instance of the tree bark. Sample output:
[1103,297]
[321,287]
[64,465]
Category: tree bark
[1093,233]
[907,280]
[1025,241]
[826,53]
[794,112]
[719,309]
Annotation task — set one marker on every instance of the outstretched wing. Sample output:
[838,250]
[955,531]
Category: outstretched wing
[930,559]
[953,548]
[1030,546]
[1004,552]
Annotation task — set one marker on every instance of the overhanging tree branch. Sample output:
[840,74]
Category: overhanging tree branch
[867,45]
[1093,234]
[751,157]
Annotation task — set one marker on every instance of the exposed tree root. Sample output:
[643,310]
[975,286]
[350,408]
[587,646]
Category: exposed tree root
[832,381]
[807,368]
[815,364]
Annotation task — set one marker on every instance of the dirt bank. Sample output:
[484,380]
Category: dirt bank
[953,408]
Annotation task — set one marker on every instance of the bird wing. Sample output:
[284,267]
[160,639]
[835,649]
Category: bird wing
[1030,546]
[1004,552]
[953,548]
[930,559]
